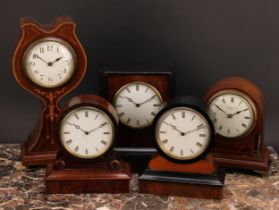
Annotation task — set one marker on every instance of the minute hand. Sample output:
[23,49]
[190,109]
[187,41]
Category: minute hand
[150,99]
[198,128]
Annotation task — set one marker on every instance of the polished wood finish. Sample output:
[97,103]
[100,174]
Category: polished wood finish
[201,179]
[248,152]
[105,174]
[41,145]
[113,78]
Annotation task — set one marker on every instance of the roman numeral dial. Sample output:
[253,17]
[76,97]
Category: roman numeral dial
[234,118]
[84,135]
[137,104]
[50,62]
[181,136]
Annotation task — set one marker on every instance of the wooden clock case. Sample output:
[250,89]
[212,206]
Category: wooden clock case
[248,152]
[199,177]
[136,144]
[41,145]
[105,174]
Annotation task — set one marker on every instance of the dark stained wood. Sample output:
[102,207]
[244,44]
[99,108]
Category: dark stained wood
[105,174]
[41,145]
[248,152]
[201,179]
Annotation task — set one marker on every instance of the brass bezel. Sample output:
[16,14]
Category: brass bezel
[249,101]
[83,156]
[163,117]
[48,39]
[132,83]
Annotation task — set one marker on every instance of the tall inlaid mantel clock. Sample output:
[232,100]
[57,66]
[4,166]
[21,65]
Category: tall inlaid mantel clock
[236,107]
[137,93]
[48,62]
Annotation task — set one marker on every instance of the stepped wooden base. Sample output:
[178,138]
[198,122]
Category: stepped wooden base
[258,163]
[88,180]
[36,158]
[201,179]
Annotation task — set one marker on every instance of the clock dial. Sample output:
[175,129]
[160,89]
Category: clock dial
[137,104]
[49,62]
[232,113]
[86,132]
[183,133]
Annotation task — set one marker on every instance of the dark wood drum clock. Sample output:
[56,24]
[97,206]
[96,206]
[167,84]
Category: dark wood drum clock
[183,135]
[137,93]
[236,107]
[87,130]
[48,62]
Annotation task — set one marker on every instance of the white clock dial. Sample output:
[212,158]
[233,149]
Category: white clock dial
[183,133]
[86,132]
[49,62]
[137,104]
[232,113]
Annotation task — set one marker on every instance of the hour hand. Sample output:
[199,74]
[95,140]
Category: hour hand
[238,112]
[36,56]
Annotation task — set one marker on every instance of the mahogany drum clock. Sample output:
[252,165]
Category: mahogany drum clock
[137,93]
[183,135]
[48,62]
[87,130]
[236,107]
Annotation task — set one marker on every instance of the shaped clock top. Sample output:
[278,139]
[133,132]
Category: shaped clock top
[232,113]
[137,104]
[86,132]
[50,62]
[182,133]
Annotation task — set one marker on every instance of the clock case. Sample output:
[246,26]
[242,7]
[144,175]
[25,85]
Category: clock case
[199,177]
[104,174]
[249,151]
[41,144]
[136,145]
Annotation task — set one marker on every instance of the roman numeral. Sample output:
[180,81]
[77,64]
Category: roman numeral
[153,113]
[76,116]
[192,151]
[146,89]
[181,152]
[164,132]
[193,117]
[183,114]
[228,131]
[232,99]
[220,127]
[86,151]
[121,114]
[103,124]
[96,116]
[106,133]
[173,116]
[128,120]
[247,118]
[42,50]
[200,126]
[69,141]
[165,141]
[202,135]
[86,113]
[103,142]
[66,132]
[243,125]
[240,103]
[171,149]
[137,87]
[199,144]
[224,101]
[76,149]
[214,120]
[156,105]
[128,90]
[118,105]
[138,123]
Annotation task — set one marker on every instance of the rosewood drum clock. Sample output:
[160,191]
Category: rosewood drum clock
[183,135]
[87,130]
[48,62]
[235,105]
[137,93]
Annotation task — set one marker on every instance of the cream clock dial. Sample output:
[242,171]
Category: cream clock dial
[86,132]
[49,62]
[182,133]
[137,104]
[232,113]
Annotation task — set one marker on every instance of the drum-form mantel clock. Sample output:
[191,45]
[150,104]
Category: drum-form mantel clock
[236,108]
[48,62]
[183,135]
[137,93]
[87,131]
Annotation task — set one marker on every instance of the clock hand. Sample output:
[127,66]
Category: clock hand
[221,110]
[35,55]
[150,99]
[56,60]
[131,100]
[175,128]
[238,112]
[198,128]
[100,126]
[77,127]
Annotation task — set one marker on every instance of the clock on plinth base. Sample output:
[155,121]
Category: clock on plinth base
[183,135]
[48,62]
[88,127]
[236,107]
[137,93]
